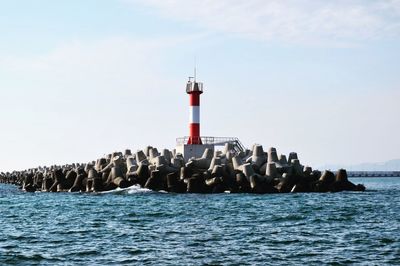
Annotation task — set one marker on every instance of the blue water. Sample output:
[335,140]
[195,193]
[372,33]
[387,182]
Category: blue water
[142,227]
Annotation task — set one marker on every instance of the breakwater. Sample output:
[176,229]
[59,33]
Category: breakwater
[373,173]
[251,171]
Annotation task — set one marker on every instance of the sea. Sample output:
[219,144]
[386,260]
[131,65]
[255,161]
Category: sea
[140,227]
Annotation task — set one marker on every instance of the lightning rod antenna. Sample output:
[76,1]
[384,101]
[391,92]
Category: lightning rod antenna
[195,69]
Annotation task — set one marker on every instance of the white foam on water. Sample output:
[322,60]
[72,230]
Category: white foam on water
[129,190]
[118,190]
[137,189]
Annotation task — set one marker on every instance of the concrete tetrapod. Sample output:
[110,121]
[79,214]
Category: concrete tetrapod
[258,158]
[246,172]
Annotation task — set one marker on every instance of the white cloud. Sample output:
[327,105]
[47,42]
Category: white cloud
[126,65]
[86,98]
[106,58]
[296,21]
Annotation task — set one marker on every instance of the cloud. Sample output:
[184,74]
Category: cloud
[85,98]
[126,65]
[294,21]
[104,58]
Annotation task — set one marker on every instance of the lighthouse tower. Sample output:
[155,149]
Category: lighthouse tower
[194,89]
[194,145]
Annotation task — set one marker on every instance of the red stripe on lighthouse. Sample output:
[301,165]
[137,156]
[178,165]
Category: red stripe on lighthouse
[194,99]
[194,130]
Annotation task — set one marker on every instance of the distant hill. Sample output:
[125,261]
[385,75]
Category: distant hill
[392,165]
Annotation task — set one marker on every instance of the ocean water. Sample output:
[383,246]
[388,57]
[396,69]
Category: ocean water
[140,227]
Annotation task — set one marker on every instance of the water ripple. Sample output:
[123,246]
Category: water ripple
[136,226]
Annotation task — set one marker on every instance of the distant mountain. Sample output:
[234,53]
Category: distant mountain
[392,165]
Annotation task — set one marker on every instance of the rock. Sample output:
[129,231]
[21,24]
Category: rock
[214,172]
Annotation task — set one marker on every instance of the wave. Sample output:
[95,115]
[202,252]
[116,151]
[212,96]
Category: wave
[129,190]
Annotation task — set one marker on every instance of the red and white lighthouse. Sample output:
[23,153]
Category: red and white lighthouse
[194,146]
[194,89]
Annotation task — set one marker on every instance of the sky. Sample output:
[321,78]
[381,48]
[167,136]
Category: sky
[83,78]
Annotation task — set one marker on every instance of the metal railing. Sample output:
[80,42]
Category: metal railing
[216,141]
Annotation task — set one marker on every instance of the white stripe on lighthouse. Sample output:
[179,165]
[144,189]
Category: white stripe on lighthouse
[194,117]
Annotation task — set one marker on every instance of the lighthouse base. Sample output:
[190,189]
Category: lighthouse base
[192,150]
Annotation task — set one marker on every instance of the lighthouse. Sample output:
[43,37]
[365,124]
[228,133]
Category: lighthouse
[194,89]
[194,145]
